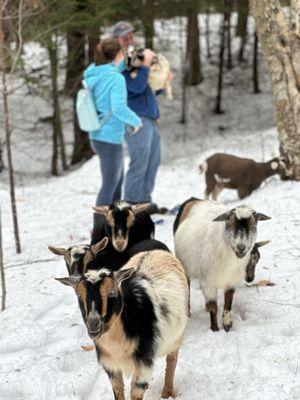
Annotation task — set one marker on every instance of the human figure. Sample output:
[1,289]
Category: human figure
[108,88]
[143,146]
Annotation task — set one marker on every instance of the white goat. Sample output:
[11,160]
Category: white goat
[214,245]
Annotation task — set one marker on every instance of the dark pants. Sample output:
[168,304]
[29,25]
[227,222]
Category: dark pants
[111,167]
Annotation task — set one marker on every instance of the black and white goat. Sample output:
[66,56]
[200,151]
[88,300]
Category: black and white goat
[214,245]
[81,257]
[159,70]
[123,223]
[135,315]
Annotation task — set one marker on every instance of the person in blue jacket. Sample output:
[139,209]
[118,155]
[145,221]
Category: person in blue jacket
[108,88]
[144,146]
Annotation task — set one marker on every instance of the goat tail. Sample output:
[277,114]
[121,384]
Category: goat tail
[203,167]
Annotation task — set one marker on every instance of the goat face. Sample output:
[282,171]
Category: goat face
[254,258]
[120,217]
[101,299]
[281,166]
[78,257]
[241,228]
[133,57]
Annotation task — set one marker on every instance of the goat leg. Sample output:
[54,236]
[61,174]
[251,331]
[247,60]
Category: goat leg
[168,390]
[140,383]
[117,383]
[212,308]
[227,319]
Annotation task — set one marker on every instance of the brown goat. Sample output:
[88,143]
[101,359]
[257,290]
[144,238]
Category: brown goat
[242,174]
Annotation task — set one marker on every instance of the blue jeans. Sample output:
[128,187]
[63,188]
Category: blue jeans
[111,167]
[144,152]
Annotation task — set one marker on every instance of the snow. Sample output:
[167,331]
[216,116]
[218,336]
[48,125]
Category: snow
[42,329]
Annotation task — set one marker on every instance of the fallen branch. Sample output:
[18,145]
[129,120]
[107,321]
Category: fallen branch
[32,262]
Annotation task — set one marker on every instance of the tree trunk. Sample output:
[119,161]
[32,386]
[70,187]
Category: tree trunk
[56,120]
[194,74]
[218,107]
[149,30]
[242,23]
[255,65]
[280,41]
[93,41]
[1,156]
[8,133]
[183,70]
[207,31]
[75,60]
[75,67]
[227,15]
[3,282]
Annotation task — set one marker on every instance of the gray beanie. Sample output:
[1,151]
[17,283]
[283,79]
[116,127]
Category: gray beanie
[122,28]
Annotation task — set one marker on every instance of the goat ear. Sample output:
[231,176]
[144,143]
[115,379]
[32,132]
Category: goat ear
[274,165]
[96,248]
[262,243]
[101,210]
[124,274]
[137,208]
[59,251]
[222,217]
[69,281]
[261,217]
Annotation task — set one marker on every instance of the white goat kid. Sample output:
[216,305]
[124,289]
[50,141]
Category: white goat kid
[214,245]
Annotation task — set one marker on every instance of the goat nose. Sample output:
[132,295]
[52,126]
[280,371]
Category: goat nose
[93,324]
[241,247]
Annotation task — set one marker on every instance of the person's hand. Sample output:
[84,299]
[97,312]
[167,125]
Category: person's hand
[148,57]
[170,76]
[136,129]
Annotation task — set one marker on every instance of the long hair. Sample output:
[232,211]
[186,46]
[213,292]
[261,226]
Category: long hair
[106,51]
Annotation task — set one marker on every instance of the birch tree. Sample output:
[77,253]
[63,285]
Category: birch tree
[279,35]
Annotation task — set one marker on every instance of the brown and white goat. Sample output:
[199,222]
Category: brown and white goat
[241,174]
[214,245]
[135,315]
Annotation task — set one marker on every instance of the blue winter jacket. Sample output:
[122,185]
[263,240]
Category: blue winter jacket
[141,98]
[108,88]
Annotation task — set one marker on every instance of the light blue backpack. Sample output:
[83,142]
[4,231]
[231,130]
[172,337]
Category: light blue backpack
[87,115]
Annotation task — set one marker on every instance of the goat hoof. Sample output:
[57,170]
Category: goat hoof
[214,328]
[166,393]
[227,327]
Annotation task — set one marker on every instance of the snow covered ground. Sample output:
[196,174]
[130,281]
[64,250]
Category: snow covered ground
[42,331]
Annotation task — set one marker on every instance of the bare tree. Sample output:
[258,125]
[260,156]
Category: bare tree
[58,137]
[255,65]
[227,15]
[207,31]
[279,36]
[218,107]
[3,282]
[194,73]
[242,24]
[7,129]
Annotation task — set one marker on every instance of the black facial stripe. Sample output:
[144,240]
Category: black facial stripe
[93,295]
